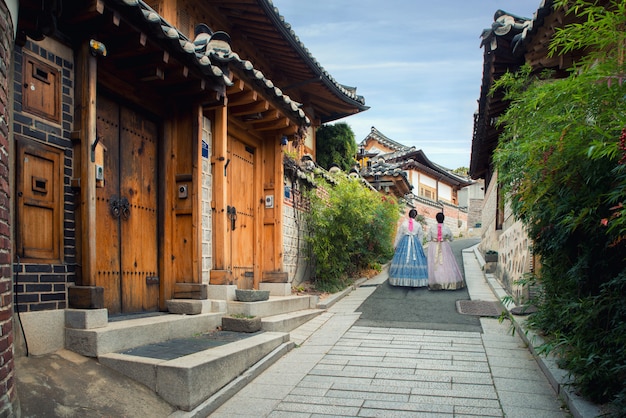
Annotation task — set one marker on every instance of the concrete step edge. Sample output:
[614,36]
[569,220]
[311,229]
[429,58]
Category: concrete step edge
[289,321]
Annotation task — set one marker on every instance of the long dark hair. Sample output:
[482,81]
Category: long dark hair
[412,213]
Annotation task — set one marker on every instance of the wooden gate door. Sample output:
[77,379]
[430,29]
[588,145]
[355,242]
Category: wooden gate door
[126,210]
[241,211]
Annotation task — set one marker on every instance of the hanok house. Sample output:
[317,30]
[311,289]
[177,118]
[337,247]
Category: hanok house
[406,171]
[148,140]
[509,43]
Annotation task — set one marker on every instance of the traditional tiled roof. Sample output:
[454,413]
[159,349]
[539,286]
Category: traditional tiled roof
[258,22]
[210,52]
[406,158]
[376,135]
[349,92]
[509,43]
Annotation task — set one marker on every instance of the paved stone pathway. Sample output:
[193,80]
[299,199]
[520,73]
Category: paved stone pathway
[342,370]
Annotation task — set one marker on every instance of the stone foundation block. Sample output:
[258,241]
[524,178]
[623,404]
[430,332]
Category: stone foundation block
[184,306]
[230,323]
[221,292]
[276,289]
[86,318]
[250,295]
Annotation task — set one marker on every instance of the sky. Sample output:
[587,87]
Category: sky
[417,63]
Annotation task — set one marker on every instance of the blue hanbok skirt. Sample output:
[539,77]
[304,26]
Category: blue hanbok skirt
[409,266]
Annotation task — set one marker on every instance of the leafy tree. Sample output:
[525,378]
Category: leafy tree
[461,171]
[335,144]
[562,162]
[351,228]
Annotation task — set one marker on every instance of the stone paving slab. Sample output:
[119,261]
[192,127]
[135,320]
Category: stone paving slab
[393,372]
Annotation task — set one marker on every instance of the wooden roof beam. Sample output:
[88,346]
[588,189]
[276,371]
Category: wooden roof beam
[243,98]
[271,115]
[247,109]
[274,125]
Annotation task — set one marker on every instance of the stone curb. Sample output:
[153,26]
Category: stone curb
[558,378]
[220,397]
[335,297]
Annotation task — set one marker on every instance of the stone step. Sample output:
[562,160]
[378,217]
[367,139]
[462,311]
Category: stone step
[188,381]
[131,333]
[276,305]
[288,321]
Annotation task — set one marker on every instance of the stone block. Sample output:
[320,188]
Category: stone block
[243,324]
[221,292]
[276,289]
[251,295]
[184,306]
[44,330]
[86,318]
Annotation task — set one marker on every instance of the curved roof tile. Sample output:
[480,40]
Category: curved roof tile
[211,63]
[304,51]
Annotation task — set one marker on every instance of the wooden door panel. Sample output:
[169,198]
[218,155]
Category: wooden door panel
[138,186]
[39,201]
[241,192]
[127,237]
[108,226]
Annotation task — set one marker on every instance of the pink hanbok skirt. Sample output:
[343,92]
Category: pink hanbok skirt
[443,271]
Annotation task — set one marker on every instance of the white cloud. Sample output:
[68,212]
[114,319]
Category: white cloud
[418,64]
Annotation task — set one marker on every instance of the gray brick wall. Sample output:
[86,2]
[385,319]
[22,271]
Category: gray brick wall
[41,287]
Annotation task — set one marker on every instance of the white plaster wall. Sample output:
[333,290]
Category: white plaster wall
[445,192]
[207,196]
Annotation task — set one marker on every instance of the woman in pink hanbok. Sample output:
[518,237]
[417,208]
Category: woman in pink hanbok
[443,271]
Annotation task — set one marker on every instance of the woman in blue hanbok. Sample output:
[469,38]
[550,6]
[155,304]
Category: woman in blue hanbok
[408,266]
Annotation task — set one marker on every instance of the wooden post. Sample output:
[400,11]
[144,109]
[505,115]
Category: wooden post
[221,242]
[196,195]
[86,76]
[279,190]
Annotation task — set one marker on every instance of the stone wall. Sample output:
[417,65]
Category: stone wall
[295,259]
[490,235]
[9,405]
[510,241]
[514,260]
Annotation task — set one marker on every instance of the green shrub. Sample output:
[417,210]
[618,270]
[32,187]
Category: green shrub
[351,228]
[561,160]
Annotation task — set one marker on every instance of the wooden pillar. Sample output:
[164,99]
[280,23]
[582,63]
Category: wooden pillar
[279,192]
[221,272]
[86,76]
[196,194]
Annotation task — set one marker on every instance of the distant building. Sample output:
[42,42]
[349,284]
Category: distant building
[433,188]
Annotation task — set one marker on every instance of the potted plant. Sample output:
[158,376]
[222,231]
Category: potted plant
[241,323]
[491,256]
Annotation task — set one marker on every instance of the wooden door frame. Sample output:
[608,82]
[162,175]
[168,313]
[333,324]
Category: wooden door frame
[84,138]
[224,126]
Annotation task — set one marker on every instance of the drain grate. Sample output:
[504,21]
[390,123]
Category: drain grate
[478,307]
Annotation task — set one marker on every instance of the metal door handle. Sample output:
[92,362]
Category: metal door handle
[231,212]
[119,207]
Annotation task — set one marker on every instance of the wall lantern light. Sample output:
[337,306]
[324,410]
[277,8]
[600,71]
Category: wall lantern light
[97,48]
[284,140]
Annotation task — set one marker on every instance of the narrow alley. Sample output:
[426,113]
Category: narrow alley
[345,369]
